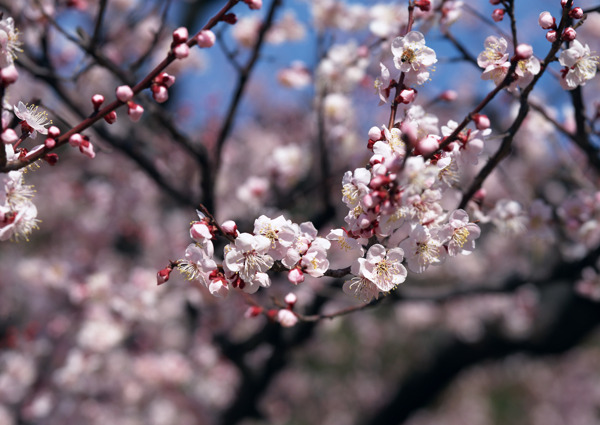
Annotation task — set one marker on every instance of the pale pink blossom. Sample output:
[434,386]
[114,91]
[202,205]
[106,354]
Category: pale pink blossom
[35,121]
[459,234]
[383,267]
[412,57]
[249,259]
[580,65]
[314,262]
[494,52]
[421,249]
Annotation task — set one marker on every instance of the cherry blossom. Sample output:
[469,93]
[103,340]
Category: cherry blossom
[580,65]
[249,259]
[9,43]
[460,234]
[421,249]
[383,267]
[412,57]
[32,120]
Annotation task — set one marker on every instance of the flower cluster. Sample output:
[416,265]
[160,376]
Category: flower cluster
[17,211]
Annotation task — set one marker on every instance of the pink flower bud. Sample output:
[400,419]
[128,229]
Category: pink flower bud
[482,122]
[75,140]
[53,131]
[286,318]
[9,136]
[253,311]
[111,117]
[378,181]
[135,111]
[290,299]
[97,101]
[295,276]
[51,158]
[163,275]
[523,51]
[229,18]
[9,75]
[410,131]
[254,4]
[181,51]
[428,145]
[424,5]
[180,35]
[449,96]
[165,79]
[49,142]
[407,95]
[480,195]
[576,13]
[124,93]
[563,3]
[230,227]
[498,15]
[546,21]
[375,133]
[160,93]
[87,149]
[551,36]
[569,34]
[206,38]
[368,201]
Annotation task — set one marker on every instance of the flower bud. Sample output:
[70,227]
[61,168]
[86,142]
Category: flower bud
[428,145]
[53,131]
[546,21]
[163,275]
[124,93]
[407,95]
[576,13]
[97,101]
[551,36]
[206,38]
[180,35]
[160,93]
[569,34]
[424,5]
[494,2]
[295,276]
[230,227]
[523,51]
[111,117]
[9,136]
[9,75]
[181,51]
[498,15]
[229,18]
[253,311]
[482,122]
[290,299]
[75,140]
[286,318]
[51,158]
[135,111]
[375,133]
[254,4]
[449,95]
[49,142]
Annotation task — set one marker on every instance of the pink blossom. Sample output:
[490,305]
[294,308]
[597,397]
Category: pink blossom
[580,65]
[383,267]
[412,57]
